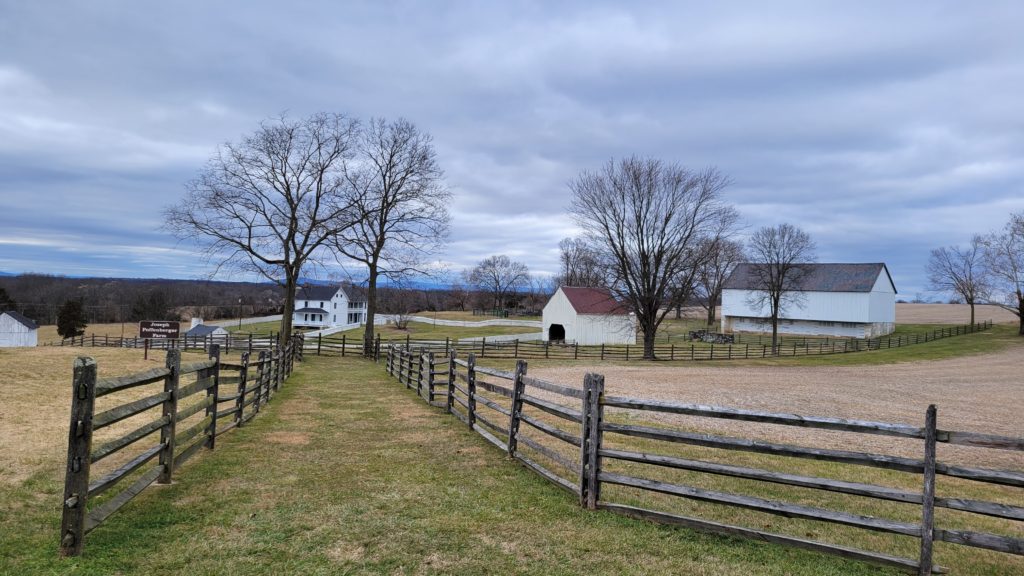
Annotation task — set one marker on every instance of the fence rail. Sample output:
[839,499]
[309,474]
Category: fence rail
[200,424]
[745,347]
[581,440]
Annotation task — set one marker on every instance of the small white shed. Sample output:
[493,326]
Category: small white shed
[843,300]
[587,316]
[200,330]
[17,330]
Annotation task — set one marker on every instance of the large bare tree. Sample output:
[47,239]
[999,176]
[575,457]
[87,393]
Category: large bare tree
[272,202]
[960,271]
[399,207]
[499,276]
[1004,258]
[779,256]
[647,219]
[723,255]
[580,264]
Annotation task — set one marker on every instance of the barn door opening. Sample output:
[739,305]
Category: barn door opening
[556,333]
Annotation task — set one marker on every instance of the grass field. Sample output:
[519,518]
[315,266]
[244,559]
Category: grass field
[466,315]
[347,472]
[424,331]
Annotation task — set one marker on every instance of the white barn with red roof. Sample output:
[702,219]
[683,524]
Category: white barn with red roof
[587,316]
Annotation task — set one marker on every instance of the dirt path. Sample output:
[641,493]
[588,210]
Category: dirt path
[976,393]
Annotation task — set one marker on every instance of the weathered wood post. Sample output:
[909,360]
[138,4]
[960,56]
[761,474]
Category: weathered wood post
[593,414]
[471,389]
[344,344]
[516,411]
[516,353]
[249,350]
[261,372]
[212,393]
[928,500]
[76,476]
[451,381]
[243,376]
[170,411]
[483,346]
[430,377]
[419,373]
[319,341]
[376,350]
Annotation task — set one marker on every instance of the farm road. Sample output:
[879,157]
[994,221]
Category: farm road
[983,393]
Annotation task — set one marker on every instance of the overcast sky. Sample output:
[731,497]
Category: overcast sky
[883,129]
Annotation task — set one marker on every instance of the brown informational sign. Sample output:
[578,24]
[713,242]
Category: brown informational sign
[159,329]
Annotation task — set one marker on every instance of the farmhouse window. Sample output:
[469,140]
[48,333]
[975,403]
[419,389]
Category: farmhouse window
[305,317]
[321,304]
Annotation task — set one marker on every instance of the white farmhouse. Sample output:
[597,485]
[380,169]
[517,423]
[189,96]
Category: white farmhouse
[329,307]
[587,316]
[844,300]
[16,330]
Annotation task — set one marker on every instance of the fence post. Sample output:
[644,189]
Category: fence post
[518,388]
[343,344]
[376,350]
[319,341]
[243,377]
[590,428]
[483,346]
[170,411]
[928,500]
[419,373]
[471,388]
[76,477]
[451,381]
[261,370]
[213,392]
[430,377]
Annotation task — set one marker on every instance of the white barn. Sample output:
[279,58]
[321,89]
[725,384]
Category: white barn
[842,300]
[17,330]
[329,307]
[587,316]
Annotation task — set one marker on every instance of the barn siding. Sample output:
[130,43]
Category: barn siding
[14,333]
[587,329]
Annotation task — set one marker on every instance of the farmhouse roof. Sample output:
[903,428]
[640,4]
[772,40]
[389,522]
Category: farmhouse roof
[354,293]
[312,310]
[593,300]
[26,322]
[819,277]
[314,292]
[201,330]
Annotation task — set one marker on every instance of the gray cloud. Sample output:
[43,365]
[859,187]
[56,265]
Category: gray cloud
[884,130]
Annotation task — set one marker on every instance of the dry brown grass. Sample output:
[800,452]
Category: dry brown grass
[951,314]
[35,403]
[48,332]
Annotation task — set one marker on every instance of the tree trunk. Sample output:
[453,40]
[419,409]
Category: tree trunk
[1020,313]
[711,314]
[679,311]
[371,312]
[972,312]
[649,330]
[291,284]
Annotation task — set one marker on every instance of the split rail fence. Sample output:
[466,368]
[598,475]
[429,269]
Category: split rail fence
[194,401]
[746,346]
[585,442]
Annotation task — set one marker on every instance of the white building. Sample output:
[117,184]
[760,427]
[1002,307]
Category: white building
[587,316]
[844,300]
[200,330]
[328,307]
[16,330]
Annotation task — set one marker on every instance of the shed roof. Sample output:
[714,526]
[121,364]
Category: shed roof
[315,292]
[819,277]
[26,322]
[202,330]
[593,300]
[312,310]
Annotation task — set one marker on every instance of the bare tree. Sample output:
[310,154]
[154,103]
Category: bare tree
[723,257]
[960,271]
[271,203]
[1004,259]
[499,276]
[647,219]
[581,265]
[400,207]
[779,257]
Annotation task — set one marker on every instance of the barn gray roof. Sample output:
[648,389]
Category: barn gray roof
[314,292]
[819,278]
[201,330]
[354,293]
[26,322]
[312,310]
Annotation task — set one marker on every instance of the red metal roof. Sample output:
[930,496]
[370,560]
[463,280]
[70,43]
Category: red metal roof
[593,300]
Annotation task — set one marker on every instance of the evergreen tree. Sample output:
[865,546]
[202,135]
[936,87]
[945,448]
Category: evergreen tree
[6,303]
[71,319]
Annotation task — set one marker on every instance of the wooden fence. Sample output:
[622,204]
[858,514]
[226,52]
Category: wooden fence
[746,346]
[185,425]
[581,440]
